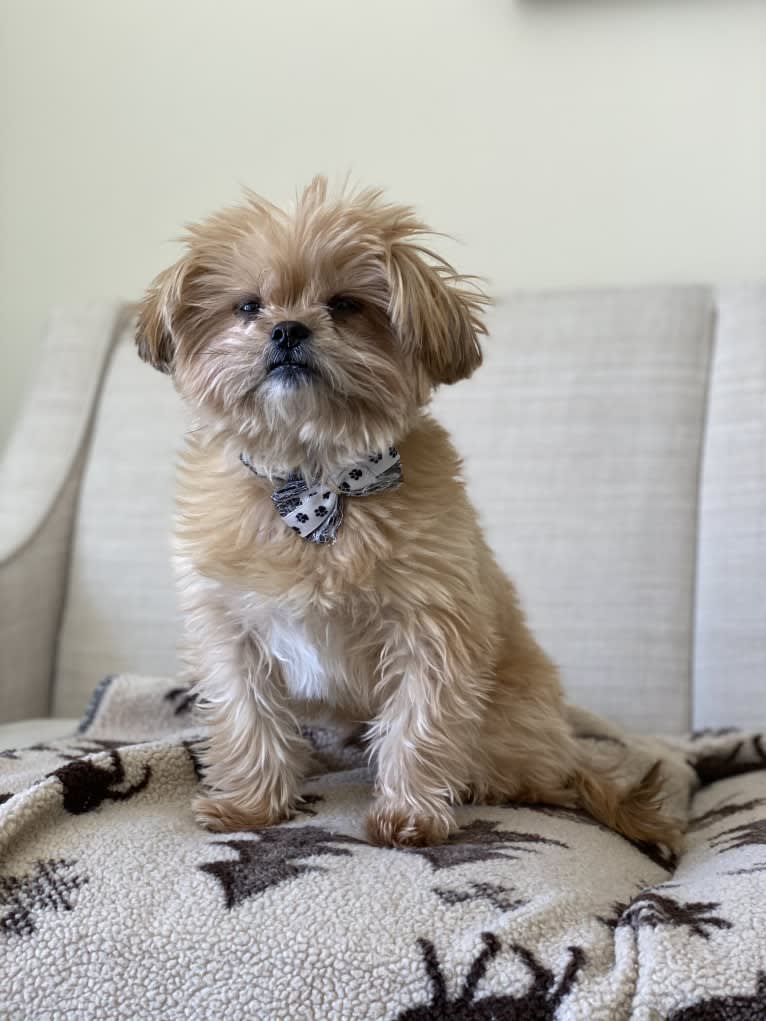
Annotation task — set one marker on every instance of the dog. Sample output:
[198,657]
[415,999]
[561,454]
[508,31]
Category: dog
[326,550]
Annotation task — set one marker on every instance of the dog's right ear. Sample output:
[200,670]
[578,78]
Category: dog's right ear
[155,332]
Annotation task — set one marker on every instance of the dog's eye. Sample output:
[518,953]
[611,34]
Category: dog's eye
[340,305]
[249,308]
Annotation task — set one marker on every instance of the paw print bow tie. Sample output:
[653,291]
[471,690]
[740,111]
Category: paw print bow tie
[315,510]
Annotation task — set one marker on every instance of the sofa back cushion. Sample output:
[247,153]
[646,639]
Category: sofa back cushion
[120,612]
[582,439]
[730,646]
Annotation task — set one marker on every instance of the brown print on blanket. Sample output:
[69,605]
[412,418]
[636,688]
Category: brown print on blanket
[271,859]
[306,803]
[665,859]
[481,840]
[495,893]
[747,834]
[723,811]
[651,909]
[747,756]
[50,887]
[82,746]
[184,699]
[194,750]
[705,732]
[86,785]
[578,815]
[727,1008]
[538,1003]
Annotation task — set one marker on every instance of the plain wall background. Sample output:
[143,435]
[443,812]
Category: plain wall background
[565,142]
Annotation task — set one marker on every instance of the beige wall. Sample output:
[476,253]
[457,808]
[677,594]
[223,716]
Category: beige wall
[565,141]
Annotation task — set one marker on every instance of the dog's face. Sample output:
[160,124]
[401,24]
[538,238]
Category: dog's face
[315,334]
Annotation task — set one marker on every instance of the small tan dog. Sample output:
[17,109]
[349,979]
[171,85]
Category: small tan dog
[309,343]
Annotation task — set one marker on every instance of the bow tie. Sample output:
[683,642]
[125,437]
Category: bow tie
[315,510]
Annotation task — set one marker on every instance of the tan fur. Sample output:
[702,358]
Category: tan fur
[405,623]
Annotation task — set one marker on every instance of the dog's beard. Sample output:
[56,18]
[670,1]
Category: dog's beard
[290,369]
[308,406]
[298,419]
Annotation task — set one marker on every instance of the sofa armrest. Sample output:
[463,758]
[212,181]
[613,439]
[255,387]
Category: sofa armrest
[39,480]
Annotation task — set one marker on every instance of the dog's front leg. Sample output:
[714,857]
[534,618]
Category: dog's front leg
[254,755]
[426,734]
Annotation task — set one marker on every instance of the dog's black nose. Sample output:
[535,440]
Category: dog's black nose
[289,334]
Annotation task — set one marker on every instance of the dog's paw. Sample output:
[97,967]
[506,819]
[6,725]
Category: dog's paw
[223,816]
[388,826]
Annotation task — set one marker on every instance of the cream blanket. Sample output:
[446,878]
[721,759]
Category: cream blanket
[114,905]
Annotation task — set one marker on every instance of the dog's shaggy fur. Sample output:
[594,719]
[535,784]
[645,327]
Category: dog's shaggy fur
[405,623]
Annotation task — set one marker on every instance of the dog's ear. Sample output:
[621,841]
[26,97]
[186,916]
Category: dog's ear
[436,311]
[155,331]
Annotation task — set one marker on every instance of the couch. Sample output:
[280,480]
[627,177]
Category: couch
[615,444]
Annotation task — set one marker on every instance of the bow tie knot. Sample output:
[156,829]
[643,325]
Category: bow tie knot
[315,510]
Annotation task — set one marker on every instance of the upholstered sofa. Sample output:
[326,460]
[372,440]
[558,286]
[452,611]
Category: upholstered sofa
[615,444]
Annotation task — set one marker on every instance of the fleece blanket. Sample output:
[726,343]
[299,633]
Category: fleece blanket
[115,905]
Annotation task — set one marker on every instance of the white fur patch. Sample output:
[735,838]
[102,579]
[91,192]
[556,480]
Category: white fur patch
[303,666]
[321,659]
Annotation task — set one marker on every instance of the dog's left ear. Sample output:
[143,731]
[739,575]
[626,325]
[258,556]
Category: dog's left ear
[436,311]
[155,331]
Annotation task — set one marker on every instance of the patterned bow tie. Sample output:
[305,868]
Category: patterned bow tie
[315,510]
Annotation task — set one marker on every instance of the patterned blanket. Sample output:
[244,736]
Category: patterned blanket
[115,905]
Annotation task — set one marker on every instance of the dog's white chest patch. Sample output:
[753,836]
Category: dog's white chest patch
[305,667]
[321,659]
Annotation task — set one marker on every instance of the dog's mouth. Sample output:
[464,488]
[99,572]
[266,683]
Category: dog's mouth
[292,368]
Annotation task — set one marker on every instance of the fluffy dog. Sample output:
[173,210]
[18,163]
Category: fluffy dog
[326,549]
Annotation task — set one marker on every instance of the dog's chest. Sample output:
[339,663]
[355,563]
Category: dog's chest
[306,665]
[319,658]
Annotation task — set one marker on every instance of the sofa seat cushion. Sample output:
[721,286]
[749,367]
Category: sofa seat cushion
[113,903]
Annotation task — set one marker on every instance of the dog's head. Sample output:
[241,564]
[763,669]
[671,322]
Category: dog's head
[315,333]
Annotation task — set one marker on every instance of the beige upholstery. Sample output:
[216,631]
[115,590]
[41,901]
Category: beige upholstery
[120,611]
[583,436]
[39,479]
[730,674]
